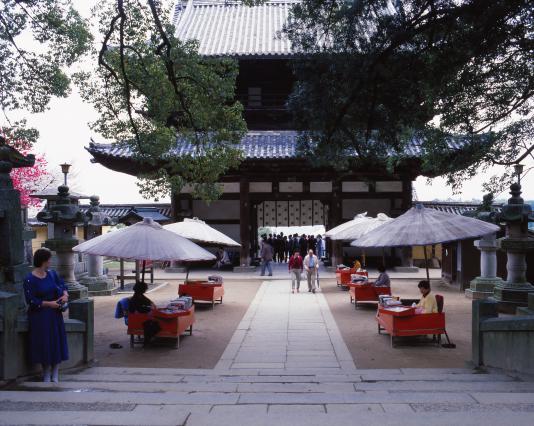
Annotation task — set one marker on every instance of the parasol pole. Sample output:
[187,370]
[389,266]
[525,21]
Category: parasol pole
[186,273]
[364,262]
[426,264]
[143,272]
[121,266]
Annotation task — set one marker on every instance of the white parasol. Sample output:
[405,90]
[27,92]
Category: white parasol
[198,231]
[420,226]
[337,232]
[359,226]
[146,240]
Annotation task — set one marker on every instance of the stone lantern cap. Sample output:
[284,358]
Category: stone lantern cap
[516,210]
[94,216]
[63,209]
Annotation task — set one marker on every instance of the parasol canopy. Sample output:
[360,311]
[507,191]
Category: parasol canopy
[198,231]
[358,227]
[420,226]
[146,240]
[340,229]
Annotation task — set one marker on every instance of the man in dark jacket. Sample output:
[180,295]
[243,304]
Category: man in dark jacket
[266,255]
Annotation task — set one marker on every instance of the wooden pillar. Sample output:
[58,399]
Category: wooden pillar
[175,206]
[336,216]
[244,222]
[406,195]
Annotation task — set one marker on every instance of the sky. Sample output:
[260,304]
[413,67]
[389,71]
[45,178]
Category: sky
[64,132]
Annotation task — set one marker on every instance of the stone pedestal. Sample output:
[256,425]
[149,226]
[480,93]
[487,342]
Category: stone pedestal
[528,310]
[97,283]
[482,287]
[514,292]
[65,266]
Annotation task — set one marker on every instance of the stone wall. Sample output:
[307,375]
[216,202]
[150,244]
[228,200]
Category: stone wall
[14,337]
[502,342]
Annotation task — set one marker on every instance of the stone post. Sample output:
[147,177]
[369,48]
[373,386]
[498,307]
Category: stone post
[482,287]
[513,292]
[13,265]
[97,283]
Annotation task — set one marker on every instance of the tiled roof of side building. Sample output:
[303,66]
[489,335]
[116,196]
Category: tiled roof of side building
[230,28]
[454,207]
[255,145]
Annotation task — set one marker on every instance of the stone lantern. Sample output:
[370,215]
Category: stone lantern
[96,281]
[13,265]
[514,292]
[482,286]
[62,214]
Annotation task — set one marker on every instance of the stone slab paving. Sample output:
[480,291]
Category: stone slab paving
[286,364]
[287,331]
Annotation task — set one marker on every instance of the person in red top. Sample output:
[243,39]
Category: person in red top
[295,269]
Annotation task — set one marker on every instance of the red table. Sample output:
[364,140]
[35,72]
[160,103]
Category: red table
[173,323]
[343,276]
[403,321]
[362,293]
[202,291]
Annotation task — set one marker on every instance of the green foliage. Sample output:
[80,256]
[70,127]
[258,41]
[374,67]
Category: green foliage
[39,40]
[150,87]
[386,72]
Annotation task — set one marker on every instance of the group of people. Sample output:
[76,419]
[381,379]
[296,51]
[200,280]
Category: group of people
[47,297]
[284,246]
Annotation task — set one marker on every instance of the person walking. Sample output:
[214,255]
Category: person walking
[46,296]
[266,255]
[319,246]
[303,244]
[311,265]
[295,270]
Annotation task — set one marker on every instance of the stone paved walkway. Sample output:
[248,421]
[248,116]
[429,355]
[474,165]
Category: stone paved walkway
[285,365]
[287,331]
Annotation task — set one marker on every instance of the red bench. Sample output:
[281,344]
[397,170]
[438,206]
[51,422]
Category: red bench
[363,293]
[343,276]
[404,321]
[202,291]
[173,324]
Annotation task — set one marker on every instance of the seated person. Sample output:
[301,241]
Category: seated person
[139,302]
[427,304]
[383,278]
[357,266]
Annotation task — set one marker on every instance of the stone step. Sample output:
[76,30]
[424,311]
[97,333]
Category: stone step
[280,398]
[295,415]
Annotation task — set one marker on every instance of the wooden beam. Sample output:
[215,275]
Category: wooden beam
[245,212]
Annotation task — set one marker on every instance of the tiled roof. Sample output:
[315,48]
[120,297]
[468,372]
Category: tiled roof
[453,207]
[148,212]
[230,28]
[263,145]
[117,211]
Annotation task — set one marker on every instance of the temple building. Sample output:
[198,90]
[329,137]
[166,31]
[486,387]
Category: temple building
[274,185]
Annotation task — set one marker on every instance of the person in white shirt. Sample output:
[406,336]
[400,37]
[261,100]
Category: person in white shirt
[311,266]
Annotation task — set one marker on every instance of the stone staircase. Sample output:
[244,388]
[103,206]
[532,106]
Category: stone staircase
[300,396]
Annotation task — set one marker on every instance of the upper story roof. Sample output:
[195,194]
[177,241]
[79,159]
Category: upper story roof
[230,28]
[255,145]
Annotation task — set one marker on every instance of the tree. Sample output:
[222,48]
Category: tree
[28,180]
[39,39]
[150,87]
[377,74]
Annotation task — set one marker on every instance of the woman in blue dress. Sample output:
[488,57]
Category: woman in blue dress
[46,294]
